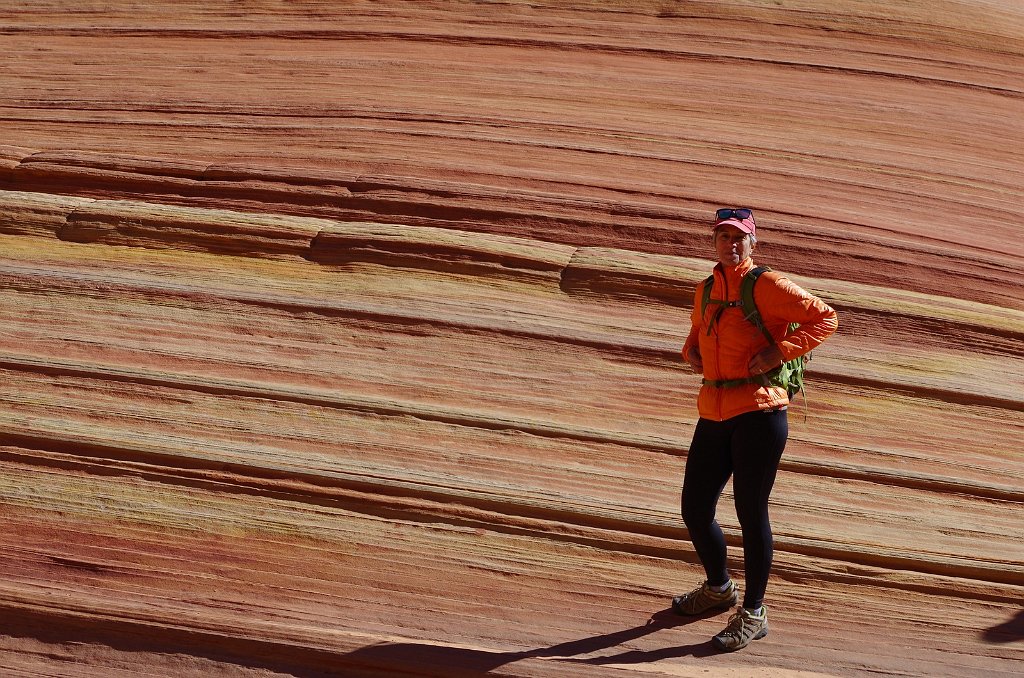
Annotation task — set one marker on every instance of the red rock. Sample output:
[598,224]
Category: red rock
[345,341]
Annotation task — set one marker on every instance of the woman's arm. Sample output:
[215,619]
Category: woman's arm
[691,347]
[785,302]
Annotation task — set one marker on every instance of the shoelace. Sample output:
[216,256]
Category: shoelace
[736,626]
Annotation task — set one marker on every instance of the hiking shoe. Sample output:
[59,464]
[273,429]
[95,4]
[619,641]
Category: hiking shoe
[704,598]
[744,626]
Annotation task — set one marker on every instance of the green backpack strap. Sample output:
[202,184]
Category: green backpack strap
[706,299]
[706,295]
[750,312]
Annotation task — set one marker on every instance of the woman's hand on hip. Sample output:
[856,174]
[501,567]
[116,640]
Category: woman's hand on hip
[766,360]
[693,357]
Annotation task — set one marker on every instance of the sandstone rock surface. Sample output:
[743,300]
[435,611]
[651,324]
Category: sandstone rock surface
[341,339]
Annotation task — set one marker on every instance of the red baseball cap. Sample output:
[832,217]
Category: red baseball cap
[740,217]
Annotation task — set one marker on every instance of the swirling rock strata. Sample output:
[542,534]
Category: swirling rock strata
[345,342]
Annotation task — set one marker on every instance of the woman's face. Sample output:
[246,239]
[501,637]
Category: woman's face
[732,245]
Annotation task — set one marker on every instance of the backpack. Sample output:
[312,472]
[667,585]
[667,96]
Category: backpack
[789,375]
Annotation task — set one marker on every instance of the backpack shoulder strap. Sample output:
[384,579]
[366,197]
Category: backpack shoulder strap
[709,282]
[750,311]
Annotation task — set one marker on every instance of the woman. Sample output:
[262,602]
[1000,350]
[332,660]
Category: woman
[743,423]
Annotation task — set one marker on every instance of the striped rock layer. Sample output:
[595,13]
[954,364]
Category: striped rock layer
[342,339]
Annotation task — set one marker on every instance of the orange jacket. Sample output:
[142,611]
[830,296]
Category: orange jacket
[732,341]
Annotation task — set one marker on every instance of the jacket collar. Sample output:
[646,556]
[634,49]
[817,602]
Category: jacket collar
[737,271]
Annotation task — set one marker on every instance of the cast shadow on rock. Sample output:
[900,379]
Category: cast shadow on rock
[429,659]
[1009,631]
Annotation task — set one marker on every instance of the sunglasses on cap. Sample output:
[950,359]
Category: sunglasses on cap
[729,213]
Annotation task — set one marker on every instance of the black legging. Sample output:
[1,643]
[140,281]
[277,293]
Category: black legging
[748,447]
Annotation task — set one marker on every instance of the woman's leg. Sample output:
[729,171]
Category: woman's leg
[757,445]
[708,466]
